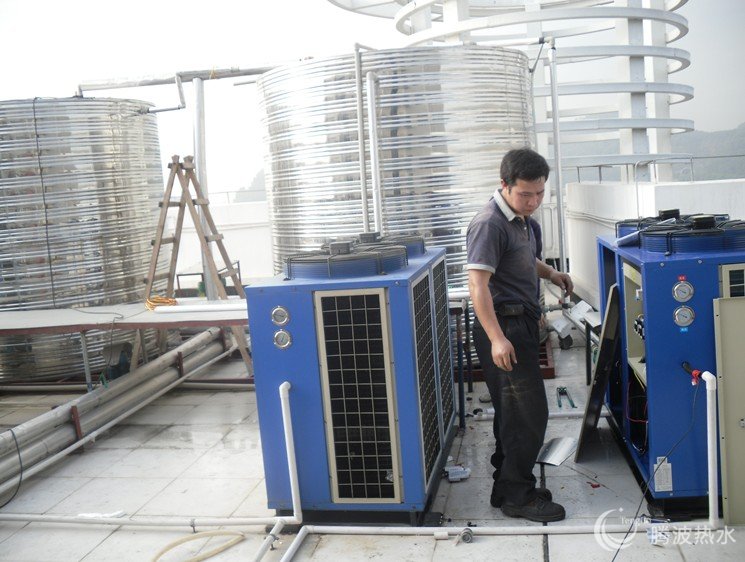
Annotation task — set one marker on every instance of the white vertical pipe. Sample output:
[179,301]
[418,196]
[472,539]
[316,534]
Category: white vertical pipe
[711,448]
[372,120]
[284,396]
[557,155]
[361,137]
[200,159]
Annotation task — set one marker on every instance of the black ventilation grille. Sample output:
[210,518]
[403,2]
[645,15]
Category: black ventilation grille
[357,397]
[426,374]
[736,278]
[442,311]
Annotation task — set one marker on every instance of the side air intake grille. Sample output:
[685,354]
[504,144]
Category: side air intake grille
[426,373]
[442,312]
[353,345]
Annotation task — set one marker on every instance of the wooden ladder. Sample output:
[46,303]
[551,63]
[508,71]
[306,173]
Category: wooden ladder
[187,178]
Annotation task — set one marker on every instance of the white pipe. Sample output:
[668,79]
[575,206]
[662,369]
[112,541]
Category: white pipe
[557,153]
[38,467]
[372,120]
[711,447]
[269,540]
[193,523]
[284,395]
[361,137]
[295,544]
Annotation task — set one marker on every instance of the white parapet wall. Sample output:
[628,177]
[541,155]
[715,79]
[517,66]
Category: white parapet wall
[592,209]
[245,227]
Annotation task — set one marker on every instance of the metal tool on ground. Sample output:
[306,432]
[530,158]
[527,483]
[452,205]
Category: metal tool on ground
[562,391]
[207,232]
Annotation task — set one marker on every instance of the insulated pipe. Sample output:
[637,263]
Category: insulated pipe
[557,154]
[56,441]
[488,414]
[361,137]
[711,447]
[284,393]
[31,429]
[372,120]
[191,523]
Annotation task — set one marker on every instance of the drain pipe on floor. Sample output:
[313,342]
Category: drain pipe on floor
[598,528]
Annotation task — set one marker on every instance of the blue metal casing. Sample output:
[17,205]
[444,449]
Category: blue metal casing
[301,365]
[674,409]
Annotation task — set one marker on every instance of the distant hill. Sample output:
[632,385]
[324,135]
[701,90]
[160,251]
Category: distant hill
[704,145]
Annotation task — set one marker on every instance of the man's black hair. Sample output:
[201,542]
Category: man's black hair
[523,164]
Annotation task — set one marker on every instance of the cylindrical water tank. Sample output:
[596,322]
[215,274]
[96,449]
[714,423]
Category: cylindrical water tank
[446,115]
[80,183]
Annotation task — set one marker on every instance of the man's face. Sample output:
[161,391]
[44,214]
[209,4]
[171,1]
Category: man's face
[525,196]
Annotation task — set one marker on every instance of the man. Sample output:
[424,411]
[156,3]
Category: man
[503,274]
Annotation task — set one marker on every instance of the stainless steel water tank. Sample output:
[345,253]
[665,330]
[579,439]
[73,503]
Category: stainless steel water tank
[447,115]
[80,183]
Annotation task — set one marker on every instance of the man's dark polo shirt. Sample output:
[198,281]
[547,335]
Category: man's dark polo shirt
[502,243]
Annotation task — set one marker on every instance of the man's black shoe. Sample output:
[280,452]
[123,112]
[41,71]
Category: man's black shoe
[538,510]
[497,500]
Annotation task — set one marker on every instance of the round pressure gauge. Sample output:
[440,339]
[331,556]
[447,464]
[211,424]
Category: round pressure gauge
[280,315]
[282,339]
[684,316]
[682,291]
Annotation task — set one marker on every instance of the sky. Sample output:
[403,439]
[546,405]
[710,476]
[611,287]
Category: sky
[49,47]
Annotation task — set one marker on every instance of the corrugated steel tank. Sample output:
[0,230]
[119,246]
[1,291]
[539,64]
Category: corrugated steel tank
[80,183]
[446,115]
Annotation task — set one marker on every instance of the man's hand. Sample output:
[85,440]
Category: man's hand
[562,280]
[503,354]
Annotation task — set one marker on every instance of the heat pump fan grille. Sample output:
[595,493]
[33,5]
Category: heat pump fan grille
[353,332]
[426,373]
[443,342]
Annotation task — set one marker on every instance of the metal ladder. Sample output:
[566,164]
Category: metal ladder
[185,173]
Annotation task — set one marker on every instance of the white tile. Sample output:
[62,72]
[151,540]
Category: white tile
[208,497]
[188,437]
[243,437]
[226,461]
[42,542]
[160,414]
[108,495]
[142,544]
[182,397]
[217,414]
[504,548]
[153,463]
[255,504]
[21,415]
[39,494]
[582,497]
[8,528]
[127,436]
[580,548]
[233,397]
[91,462]
[351,548]
[247,548]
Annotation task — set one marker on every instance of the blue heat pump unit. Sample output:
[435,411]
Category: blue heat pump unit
[668,282]
[362,334]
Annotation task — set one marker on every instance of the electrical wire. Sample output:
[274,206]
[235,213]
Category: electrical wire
[20,472]
[659,464]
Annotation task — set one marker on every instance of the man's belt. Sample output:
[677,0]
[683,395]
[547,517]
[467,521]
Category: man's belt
[509,309]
